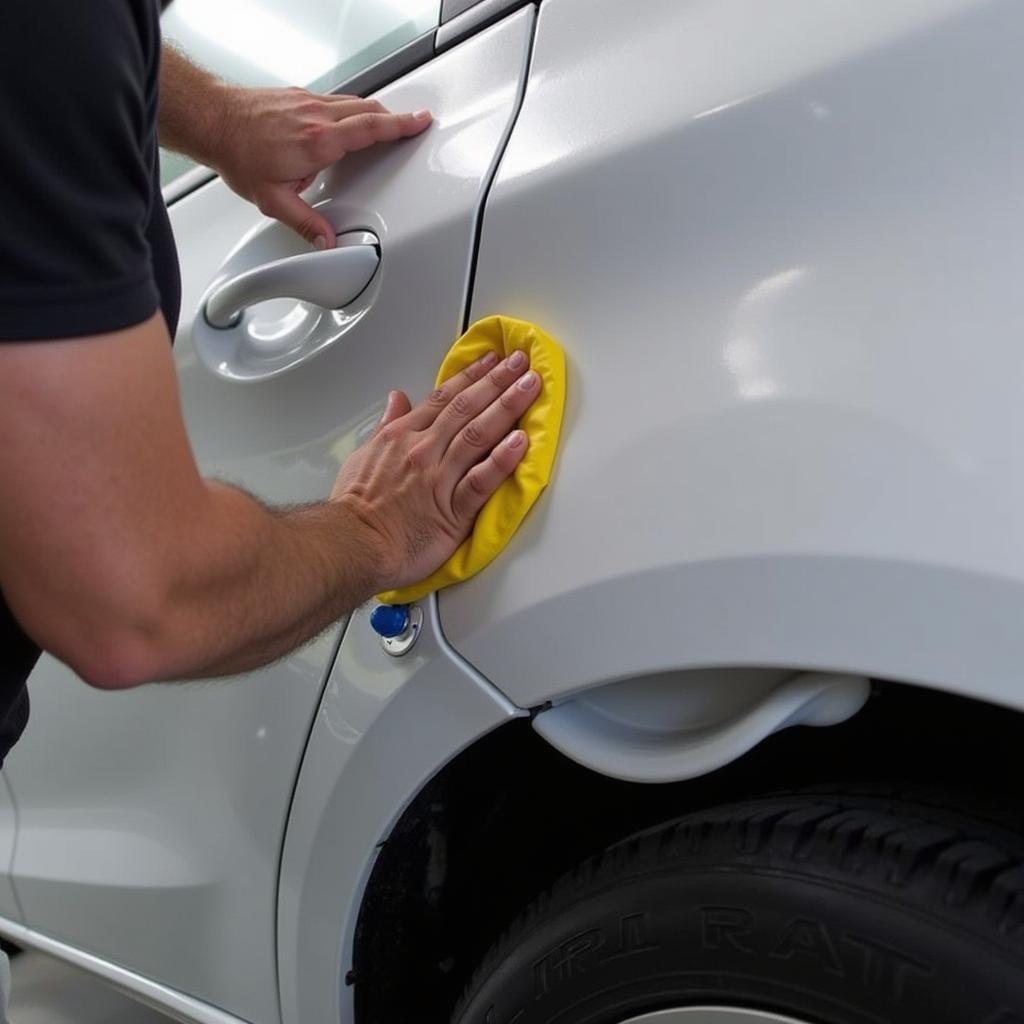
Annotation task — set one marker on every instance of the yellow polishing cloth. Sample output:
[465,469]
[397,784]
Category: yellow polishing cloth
[506,508]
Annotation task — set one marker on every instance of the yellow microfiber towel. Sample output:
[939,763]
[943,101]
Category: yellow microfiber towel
[507,507]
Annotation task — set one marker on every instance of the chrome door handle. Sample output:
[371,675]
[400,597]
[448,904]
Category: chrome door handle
[329,279]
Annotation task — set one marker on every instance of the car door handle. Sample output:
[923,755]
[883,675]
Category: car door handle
[329,279]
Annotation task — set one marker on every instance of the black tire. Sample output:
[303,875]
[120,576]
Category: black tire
[829,909]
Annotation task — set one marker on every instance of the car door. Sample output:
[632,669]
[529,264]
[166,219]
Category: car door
[151,821]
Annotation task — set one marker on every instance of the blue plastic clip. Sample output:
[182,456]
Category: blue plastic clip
[390,620]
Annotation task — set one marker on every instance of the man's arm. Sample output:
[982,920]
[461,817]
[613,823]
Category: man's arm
[120,559]
[269,144]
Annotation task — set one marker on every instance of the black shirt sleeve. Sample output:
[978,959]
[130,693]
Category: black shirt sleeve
[77,141]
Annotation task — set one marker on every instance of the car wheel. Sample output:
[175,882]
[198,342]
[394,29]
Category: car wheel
[792,910]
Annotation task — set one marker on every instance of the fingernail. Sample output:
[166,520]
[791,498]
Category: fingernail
[516,439]
[517,359]
[422,115]
[320,242]
[488,360]
[528,381]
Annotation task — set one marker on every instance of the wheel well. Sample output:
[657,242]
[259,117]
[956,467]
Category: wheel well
[508,816]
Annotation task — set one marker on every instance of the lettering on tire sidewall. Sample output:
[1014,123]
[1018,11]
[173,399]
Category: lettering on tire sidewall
[885,974]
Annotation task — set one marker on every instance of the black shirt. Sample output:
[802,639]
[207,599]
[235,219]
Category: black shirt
[85,243]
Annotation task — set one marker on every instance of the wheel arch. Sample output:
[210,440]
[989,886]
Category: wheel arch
[941,626]
[510,814]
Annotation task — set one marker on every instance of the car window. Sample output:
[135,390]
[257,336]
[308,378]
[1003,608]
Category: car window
[312,43]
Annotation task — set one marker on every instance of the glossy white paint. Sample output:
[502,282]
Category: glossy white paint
[385,726]
[152,821]
[649,730]
[781,244]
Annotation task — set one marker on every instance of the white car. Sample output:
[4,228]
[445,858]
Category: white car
[782,245]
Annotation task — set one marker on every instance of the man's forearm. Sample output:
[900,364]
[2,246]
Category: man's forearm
[255,583]
[118,558]
[194,107]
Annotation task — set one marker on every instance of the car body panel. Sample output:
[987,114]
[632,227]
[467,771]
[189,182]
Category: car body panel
[150,823]
[385,726]
[168,803]
[473,90]
[781,246]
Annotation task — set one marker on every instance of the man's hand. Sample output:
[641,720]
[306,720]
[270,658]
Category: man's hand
[269,144]
[276,141]
[421,479]
[117,557]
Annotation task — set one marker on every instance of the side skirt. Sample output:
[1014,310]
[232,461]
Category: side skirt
[152,993]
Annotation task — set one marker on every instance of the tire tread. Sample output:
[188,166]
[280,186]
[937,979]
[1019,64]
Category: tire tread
[939,857]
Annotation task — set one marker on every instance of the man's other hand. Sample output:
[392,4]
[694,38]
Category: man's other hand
[274,142]
[418,483]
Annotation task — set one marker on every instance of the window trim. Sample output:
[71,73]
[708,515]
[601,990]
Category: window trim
[460,19]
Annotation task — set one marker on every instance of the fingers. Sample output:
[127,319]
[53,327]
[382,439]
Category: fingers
[486,477]
[364,129]
[282,203]
[328,127]
[471,401]
[435,403]
[340,107]
[476,439]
